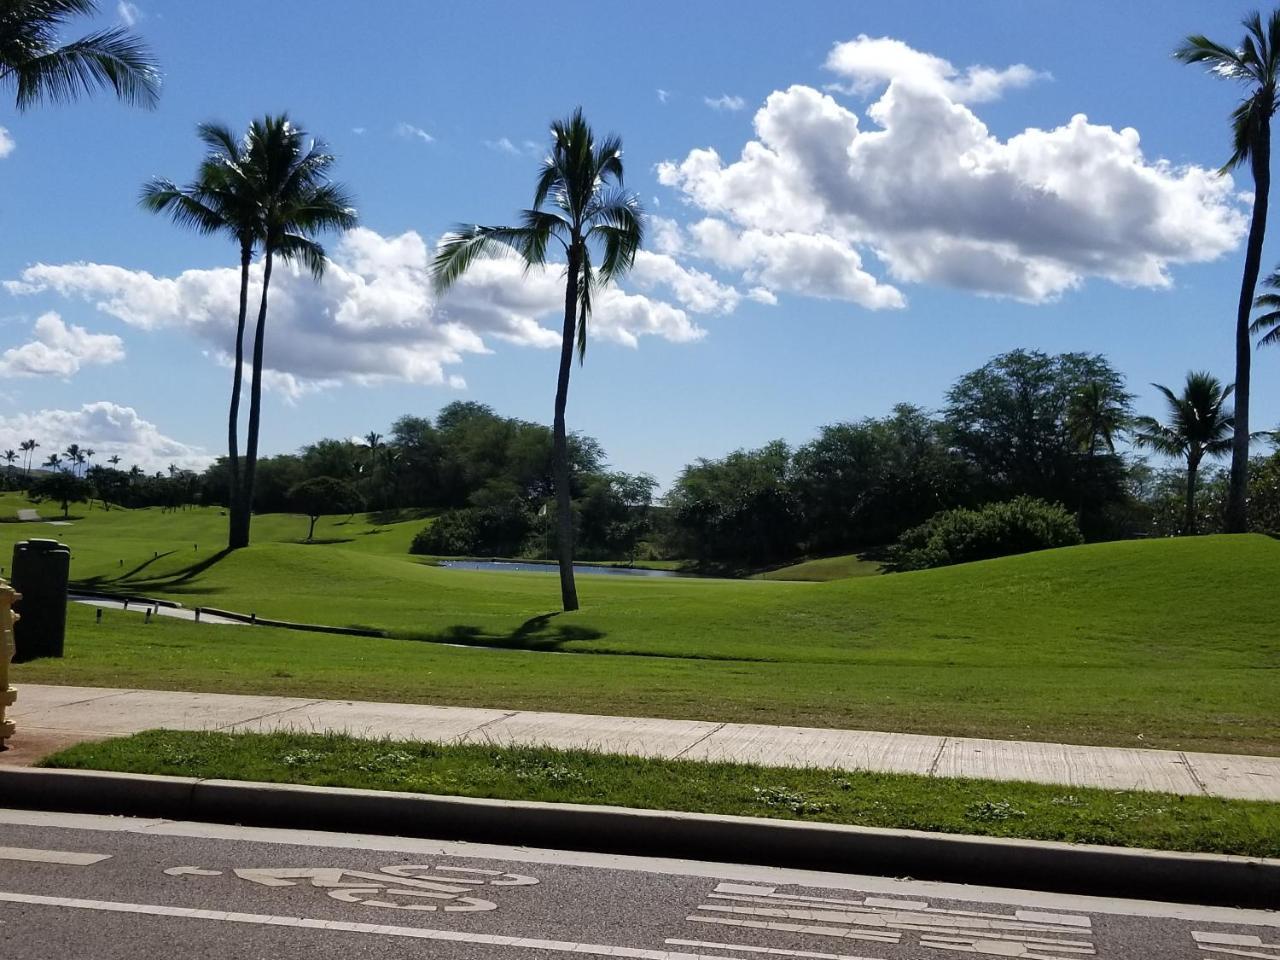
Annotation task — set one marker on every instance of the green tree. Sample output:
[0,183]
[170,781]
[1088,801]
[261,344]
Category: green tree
[62,488]
[41,68]
[28,447]
[1200,425]
[324,496]
[224,198]
[581,182]
[270,190]
[9,457]
[1255,64]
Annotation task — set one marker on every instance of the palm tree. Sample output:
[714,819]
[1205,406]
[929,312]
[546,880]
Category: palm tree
[30,447]
[114,459]
[1096,416]
[42,69]
[1256,65]
[1200,425]
[298,201]
[224,198]
[10,456]
[53,462]
[74,456]
[582,182]
[268,190]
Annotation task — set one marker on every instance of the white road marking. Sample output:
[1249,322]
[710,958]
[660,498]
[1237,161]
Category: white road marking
[374,929]
[741,874]
[872,936]
[773,951]
[1228,944]
[192,872]
[64,857]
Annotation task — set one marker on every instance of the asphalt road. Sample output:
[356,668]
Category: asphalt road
[100,888]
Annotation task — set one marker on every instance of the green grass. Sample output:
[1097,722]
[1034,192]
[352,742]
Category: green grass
[988,808]
[1168,643]
[825,569]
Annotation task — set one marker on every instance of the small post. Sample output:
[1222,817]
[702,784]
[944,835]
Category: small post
[147,619]
[253,618]
[98,618]
[126,603]
[197,614]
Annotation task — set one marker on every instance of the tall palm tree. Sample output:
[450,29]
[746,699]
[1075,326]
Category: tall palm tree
[10,456]
[73,455]
[297,201]
[581,182]
[1200,425]
[223,198]
[53,462]
[114,459]
[29,448]
[1255,64]
[43,69]
[1096,416]
[269,191]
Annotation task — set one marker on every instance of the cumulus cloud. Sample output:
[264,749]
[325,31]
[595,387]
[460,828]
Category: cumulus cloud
[59,350]
[868,63]
[692,289]
[725,102]
[409,132]
[937,198]
[373,318]
[663,95]
[6,143]
[109,429]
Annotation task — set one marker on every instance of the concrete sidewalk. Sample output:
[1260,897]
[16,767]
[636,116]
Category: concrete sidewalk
[65,714]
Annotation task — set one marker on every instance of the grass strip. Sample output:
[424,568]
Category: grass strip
[987,808]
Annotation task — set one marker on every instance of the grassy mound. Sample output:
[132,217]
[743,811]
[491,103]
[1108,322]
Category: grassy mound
[1162,643]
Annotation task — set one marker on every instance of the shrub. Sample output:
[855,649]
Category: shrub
[995,530]
[476,531]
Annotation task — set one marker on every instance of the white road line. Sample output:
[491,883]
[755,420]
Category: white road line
[774,951]
[65,857]
[376,929]
[731,872]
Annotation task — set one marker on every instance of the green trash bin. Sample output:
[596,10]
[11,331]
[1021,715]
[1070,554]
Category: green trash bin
[40,571]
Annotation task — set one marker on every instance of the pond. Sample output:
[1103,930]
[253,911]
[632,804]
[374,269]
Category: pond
[534,566]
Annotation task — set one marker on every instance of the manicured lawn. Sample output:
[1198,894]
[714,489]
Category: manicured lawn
[1153,820]
[1168,643]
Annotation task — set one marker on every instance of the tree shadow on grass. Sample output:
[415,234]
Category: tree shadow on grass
[537,634]
[176,581]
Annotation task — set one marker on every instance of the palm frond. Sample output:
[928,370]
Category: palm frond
[303,250]
[460,248]
[108,58]
[586,284]
[184,207]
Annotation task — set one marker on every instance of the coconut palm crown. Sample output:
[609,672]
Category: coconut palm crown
[581,209]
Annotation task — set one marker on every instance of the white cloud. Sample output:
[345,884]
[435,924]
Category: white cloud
[59,350]
[6,143]
[665,235]
[725,102]
[373,318]
[938,199]
[663,95]
[870,62]
[107,428]
[695,290]
[409,132]
[358,131]
[503,145]
[128,13]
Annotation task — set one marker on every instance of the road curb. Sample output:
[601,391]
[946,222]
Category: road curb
[989,861]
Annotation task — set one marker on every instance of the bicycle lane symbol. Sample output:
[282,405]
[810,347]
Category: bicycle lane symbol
[417,887]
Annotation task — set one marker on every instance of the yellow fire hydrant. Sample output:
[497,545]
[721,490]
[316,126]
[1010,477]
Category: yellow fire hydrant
[8,597]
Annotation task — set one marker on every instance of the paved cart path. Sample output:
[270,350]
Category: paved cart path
[68,713]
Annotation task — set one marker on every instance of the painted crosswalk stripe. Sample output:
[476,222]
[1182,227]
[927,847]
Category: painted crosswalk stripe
[66,857]
[339,926]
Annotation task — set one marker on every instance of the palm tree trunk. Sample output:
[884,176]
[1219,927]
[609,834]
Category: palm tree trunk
[1238,494]
[240,536]
[233,417]
[1189,521]
[560,444]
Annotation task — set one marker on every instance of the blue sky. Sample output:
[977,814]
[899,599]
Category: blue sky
[430,108]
